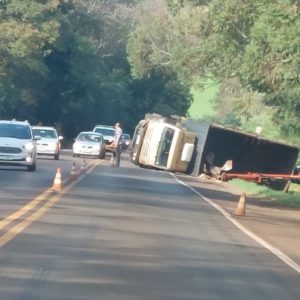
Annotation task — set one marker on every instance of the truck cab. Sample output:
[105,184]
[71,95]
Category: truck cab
[164,145]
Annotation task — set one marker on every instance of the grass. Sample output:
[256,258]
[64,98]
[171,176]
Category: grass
[202,105]
[269,197]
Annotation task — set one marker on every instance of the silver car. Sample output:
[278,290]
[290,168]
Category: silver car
[49,143]
[17,144]
[89,143]
[126,140]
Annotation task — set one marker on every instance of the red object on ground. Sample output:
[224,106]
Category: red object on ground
[258,177]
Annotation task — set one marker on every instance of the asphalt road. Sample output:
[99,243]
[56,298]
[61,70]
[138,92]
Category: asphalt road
[18,186]
[129,233]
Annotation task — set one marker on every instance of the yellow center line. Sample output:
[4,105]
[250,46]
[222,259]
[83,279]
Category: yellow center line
[11,218]
[26,208]
[17,229]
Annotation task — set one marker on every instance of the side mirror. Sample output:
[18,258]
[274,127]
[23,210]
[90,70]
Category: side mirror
[187,152]
[37,138]
[60,137]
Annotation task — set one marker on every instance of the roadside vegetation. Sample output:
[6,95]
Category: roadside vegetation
[76,63]
[250,49]
[202,107]
[268,197]
[64,63]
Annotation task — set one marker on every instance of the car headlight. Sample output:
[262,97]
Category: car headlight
[29,146]
[53,146]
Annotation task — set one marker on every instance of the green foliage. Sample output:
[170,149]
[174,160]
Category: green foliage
[272,60]
[27,30]
[203,100]
[255,41]
[26,26]
[160,42]
[63,63]
[238,107]
[84,86]
[148,48]
[176,5]
[159,93]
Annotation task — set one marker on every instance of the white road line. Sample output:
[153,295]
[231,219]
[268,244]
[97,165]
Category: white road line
[286,259]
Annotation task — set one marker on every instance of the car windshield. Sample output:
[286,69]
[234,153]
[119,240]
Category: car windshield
[45,133]
[89,137]
[126,136]
[18,131]
[105,131]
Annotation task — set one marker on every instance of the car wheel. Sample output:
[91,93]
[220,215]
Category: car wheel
[56,156]
[32,167]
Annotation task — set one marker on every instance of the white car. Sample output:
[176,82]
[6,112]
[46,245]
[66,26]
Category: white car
[17,144]
[49,143]
[89,143]
[108,132]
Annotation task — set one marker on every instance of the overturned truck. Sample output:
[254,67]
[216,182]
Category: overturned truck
[162,143]
[193,147]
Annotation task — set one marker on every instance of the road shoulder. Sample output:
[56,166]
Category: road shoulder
[279,227]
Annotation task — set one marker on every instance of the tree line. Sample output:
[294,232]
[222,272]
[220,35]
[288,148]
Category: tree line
[76,63]
[249,48]
[63,63]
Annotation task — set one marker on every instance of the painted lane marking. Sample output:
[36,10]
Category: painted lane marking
[286,259]
[20,227]
[26,208]
[31,205]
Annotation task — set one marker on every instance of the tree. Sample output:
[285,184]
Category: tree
[254,41]
[159,93]
[85,88]
[27,29]
[160,42]
[272,59]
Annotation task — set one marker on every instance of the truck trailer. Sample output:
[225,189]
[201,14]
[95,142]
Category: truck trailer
[193,147]
[249,153]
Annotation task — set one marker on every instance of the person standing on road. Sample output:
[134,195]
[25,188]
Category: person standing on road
[117,145]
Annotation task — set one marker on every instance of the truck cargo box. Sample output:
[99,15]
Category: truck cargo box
[248,152]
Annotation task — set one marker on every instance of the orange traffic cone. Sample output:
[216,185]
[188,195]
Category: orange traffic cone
[73,171]
[83,167]
[57,186]
[241,206]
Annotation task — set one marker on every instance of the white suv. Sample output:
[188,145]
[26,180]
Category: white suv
[49,143]
[17,144]
[108,132]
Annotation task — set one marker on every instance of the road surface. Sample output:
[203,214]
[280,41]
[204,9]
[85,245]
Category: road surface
[126,234]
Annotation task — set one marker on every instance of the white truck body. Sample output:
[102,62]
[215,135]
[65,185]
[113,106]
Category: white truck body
[162,145]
